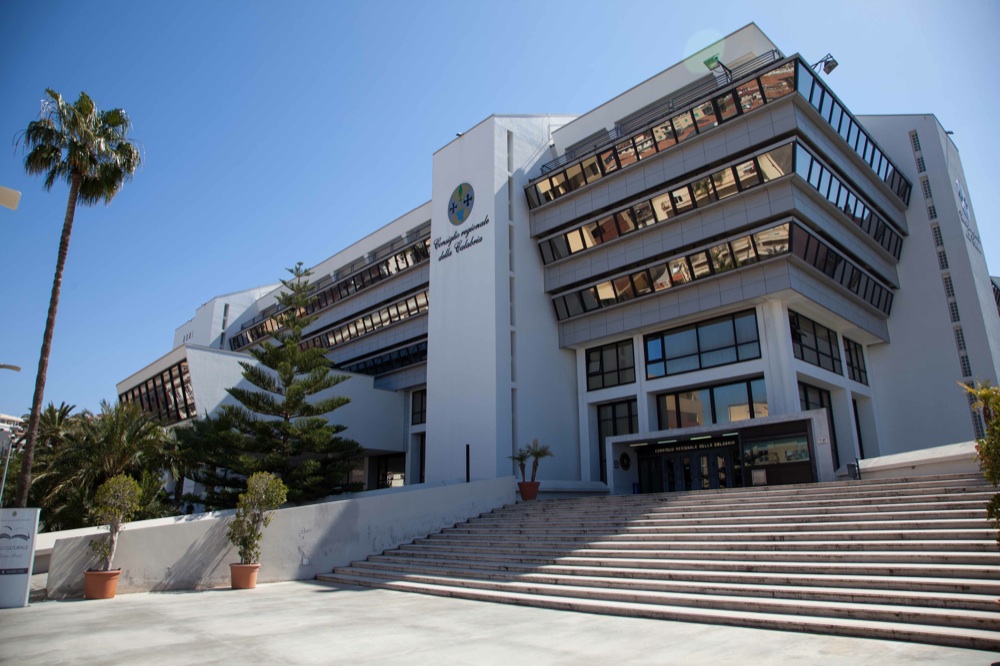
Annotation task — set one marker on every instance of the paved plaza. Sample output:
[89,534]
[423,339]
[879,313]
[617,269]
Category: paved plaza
[311,623]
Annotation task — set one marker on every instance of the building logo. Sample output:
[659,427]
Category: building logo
[460,204]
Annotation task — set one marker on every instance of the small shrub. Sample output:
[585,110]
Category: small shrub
[253,513]
[115,502]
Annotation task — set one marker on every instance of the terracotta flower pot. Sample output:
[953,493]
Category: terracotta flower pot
[528,489]
[244,576]
[100,584]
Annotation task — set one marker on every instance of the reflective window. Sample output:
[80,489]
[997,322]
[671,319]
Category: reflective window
[721,403]
[610,365]
[779,81]
[591,169]
[812,397]
[776,163]
[704,116]
[683,126]
[855,357]
[727,106]
[718,341]
[615,418]
[418,411]
[644,145]
[662,207]
[368,323]
[626,153]
[750,97]
[167,396]
[814,343]
[703,192]
[725,183]
[664,135]
[575,178]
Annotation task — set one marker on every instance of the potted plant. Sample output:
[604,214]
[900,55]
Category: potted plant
[535,451]
[264,493]
[115,502]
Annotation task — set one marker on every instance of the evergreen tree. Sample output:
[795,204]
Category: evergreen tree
[281,420]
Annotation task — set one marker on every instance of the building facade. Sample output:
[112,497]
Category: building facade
[720,277]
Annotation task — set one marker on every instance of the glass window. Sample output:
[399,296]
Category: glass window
[747,172]
[559,185]
[560,247]
[700,265]
[776,163]
[722,260]
[643,215]
[662,207]
[660,275]
[609,161]
[610,365]
[606,293]
[623,288]
[772,241]
[573,305]
[642,283]
[814,343]
[589,298]
[731,403]
[704,116]
[743,251]
[591,169]
[644,144]
[626,153]
[683,126]
[626,222]
[725,183]
[750,97]
[779,81]
[609,230]
[664,135]
[575,241]
[727,106]
[708,344]
[545,192]
[680,272]
[682,199]
[574,176]
[703,192]
[591,234]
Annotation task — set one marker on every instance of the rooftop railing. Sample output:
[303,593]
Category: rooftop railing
[661,111]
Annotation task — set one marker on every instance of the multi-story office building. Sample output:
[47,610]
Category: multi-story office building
[720,277]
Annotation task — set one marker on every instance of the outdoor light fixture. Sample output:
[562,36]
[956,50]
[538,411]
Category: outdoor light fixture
[829,63]
[713,62]
[15,368]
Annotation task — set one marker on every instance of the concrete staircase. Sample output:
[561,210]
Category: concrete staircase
[903,559]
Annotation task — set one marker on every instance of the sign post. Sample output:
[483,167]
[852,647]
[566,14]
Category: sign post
[18,528]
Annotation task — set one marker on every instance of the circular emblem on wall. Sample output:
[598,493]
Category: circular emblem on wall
[460,204]
[625,460]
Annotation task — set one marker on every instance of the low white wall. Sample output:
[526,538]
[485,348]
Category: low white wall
[300,543]
[949,459]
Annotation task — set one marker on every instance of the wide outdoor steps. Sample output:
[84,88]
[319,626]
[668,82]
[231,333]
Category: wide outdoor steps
[903,559]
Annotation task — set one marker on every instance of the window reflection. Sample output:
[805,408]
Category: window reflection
[683,126]
[704,116]
[662,207]
[779,81]
[644,145]
[776,163]
[664,135]
[727,106]
[725,183]
[680,272]
[626,153]
[699,265]
[722,260]
[750,97]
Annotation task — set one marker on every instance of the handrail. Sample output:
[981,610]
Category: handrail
[654,115]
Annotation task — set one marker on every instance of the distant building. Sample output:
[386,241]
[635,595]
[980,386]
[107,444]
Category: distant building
[693,268]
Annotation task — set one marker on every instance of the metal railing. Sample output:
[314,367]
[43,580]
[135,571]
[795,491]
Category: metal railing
[661,111]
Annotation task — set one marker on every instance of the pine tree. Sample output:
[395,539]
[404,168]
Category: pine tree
[282,424]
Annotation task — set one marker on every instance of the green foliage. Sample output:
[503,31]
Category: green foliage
[280,425]
[90,150]
[536,452]
[988,448]
[253,513]
[115,503]
[77,453]
[521,458]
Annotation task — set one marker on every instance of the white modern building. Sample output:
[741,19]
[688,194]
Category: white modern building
[664,290]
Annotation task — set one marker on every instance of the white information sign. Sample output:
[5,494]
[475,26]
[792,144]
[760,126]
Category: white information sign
[18,528]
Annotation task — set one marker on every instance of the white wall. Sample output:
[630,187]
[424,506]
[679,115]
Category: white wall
[470,373]
[918,402]
[301,542]
[206,327]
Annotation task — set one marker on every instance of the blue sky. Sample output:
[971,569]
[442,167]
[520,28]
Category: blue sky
[277,132]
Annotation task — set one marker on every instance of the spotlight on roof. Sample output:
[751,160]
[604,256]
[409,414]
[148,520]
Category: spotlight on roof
[712,62]
[829,63]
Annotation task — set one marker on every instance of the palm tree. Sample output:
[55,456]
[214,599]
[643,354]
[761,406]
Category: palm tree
[89,149]
[122,439]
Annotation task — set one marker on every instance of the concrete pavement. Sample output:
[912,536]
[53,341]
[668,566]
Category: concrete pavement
[311,623]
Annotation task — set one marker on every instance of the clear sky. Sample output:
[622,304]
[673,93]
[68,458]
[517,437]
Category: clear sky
[277,132]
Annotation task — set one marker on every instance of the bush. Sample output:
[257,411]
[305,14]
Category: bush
[253,513]
[115,502]
[988,448]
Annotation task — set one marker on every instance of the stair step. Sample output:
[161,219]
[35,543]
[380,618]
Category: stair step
[909,559]
[986,588]
[936,635]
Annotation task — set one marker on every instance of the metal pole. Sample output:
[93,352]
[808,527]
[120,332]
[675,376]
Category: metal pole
[466,463]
